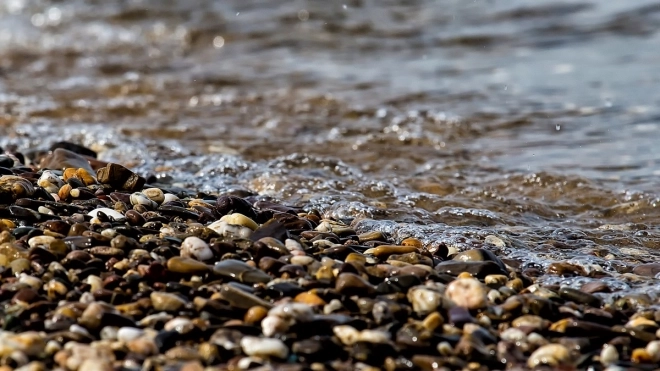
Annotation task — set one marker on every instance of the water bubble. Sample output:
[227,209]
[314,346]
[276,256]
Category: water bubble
[54,15]
[303,15]
[218,42]
[557,127]
[344,6]
[38,20]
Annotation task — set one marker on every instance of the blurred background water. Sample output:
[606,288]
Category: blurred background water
[452,119]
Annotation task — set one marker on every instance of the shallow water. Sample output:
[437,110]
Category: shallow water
[446,120]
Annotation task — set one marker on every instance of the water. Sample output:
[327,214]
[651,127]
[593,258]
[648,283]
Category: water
[447,120]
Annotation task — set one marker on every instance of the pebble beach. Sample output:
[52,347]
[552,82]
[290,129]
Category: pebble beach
[103,271]
[360,185]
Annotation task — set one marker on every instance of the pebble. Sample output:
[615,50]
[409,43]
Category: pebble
[647,270]
[60,159]
[139,198]
[187,265]
[195,247]
[425,300]
[239,219]
[553,355]
[167,301]
[126,334]
[384,251]
[240,271]
[609,355]
[109,212]
[155,194]
[225,229]
[468,293]
[168,197]
[264,347]
[352,284]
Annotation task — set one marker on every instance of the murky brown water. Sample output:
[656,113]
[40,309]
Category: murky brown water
[448,120]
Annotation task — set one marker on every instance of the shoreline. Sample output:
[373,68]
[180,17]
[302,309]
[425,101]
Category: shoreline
[102,271]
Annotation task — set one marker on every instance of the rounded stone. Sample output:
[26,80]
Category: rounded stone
[384,251]
[184,265]
[155,194]
[166,301]
[239,219]
[552,355]
[468,293]
[195,247]
[264,347]
[352,284]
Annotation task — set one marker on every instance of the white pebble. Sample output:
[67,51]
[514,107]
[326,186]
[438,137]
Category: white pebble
[653,349]
[273,325]
[109,232]
[228,230]
[109,333]
[468,293]
[126,334]
[293,245]
[293,311]
[240,219]
[609,355]
[513,335]
[139,198]
[424,300]
[169,197]
[179,324]
[494,240]
[50,182]
[45,210]
[552,355]
[196,248]
[374,336]
[31,281]
[264,347]
[41,241]
[346,334]
[155,194]
[107,211]
[78,330]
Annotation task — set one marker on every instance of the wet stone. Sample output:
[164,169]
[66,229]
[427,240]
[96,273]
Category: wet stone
[579,297]
[62,158]
[647,270]
[477,269]
[240,271]
[352,284]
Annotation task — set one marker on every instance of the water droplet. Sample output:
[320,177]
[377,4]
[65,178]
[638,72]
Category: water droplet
[218,42]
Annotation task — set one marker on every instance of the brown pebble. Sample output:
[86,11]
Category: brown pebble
[411,241]
[187,265]
[255,314]
[566,269]
[192,366]
[309,299]
[383,251]
[647,270]
[352,284]
[594,287]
